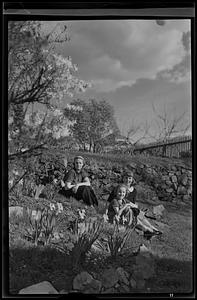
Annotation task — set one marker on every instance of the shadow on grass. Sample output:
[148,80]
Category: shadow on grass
[34,264]
[172,276]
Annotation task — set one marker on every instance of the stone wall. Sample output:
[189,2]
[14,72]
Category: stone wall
[172,182]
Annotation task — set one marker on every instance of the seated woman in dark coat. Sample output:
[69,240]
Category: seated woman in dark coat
[77,184]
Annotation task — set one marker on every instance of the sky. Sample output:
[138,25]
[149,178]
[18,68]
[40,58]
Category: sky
[132,64]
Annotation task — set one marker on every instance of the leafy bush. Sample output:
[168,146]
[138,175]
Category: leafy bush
[117,239]
[25,174]
[41,224]
[85,240]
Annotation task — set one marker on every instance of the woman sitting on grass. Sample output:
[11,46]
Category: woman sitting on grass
[142,223]
[119,210]
[76,184]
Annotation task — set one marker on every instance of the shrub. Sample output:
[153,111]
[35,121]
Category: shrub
[117,239]
[85,240]
[41,224]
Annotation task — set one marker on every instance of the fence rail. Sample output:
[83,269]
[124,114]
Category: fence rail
[171,148]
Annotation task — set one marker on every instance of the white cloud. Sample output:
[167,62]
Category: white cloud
[118,52]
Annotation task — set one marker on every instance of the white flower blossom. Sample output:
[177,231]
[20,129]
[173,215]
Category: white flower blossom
[52,206]
[60,207]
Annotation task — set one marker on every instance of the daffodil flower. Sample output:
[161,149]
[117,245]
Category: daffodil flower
[52,206]
[60,207]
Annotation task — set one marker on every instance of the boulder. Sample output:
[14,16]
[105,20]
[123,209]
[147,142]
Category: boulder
[124,288]
[109,291]
[178,173]
[17,210]
[158,210]
[82,280]
[181,190]
[133,283]
[43,287]
[109,278]
[175,186]
[123,275]
[174,178]
[186,197]
[141,284]
[94,287]
[168,182]
[184,179]
[170,190]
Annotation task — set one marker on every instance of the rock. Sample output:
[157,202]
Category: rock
[149,214]
[164,186]
[133,283]
[168,182]
[169,190]
[39,189]
[181,190]
[175,186]
[174,178]
[141,284]
[109,291]
[56,236]
[186,197]
[124,288]
[165,177]
[171,174]
[94,287]
[184,180]
[63,292]
[17,210]
[144,250]
[189,191]
[137,274]
[109,278]
[82,280]
[189,173]
[43,287]
[149,171]
[161,225]
[178,173]
[158,210]
[123,275]
[173,168]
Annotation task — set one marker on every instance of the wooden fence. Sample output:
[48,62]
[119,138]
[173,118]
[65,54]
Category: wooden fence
[171,148]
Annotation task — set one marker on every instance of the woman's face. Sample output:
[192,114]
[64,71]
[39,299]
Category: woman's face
[78,163]
[128,180]
[121,193]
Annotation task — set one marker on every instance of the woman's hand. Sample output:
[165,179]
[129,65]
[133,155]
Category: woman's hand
[117,218]
[132,205]
[62,183]
[75,188]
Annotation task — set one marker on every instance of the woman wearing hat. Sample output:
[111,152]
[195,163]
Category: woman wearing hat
[77,184]
[142,223]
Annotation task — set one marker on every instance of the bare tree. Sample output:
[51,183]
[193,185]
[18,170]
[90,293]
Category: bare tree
[135,134]
[168,124]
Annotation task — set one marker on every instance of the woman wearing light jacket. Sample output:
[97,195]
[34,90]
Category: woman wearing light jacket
[142,223]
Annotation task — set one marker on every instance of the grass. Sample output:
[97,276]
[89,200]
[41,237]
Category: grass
[172,251]
[124,159]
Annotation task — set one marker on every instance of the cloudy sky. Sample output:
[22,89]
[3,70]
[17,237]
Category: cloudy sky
[133,64]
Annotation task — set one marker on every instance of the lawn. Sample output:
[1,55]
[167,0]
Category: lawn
[30,264]
[172,252]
